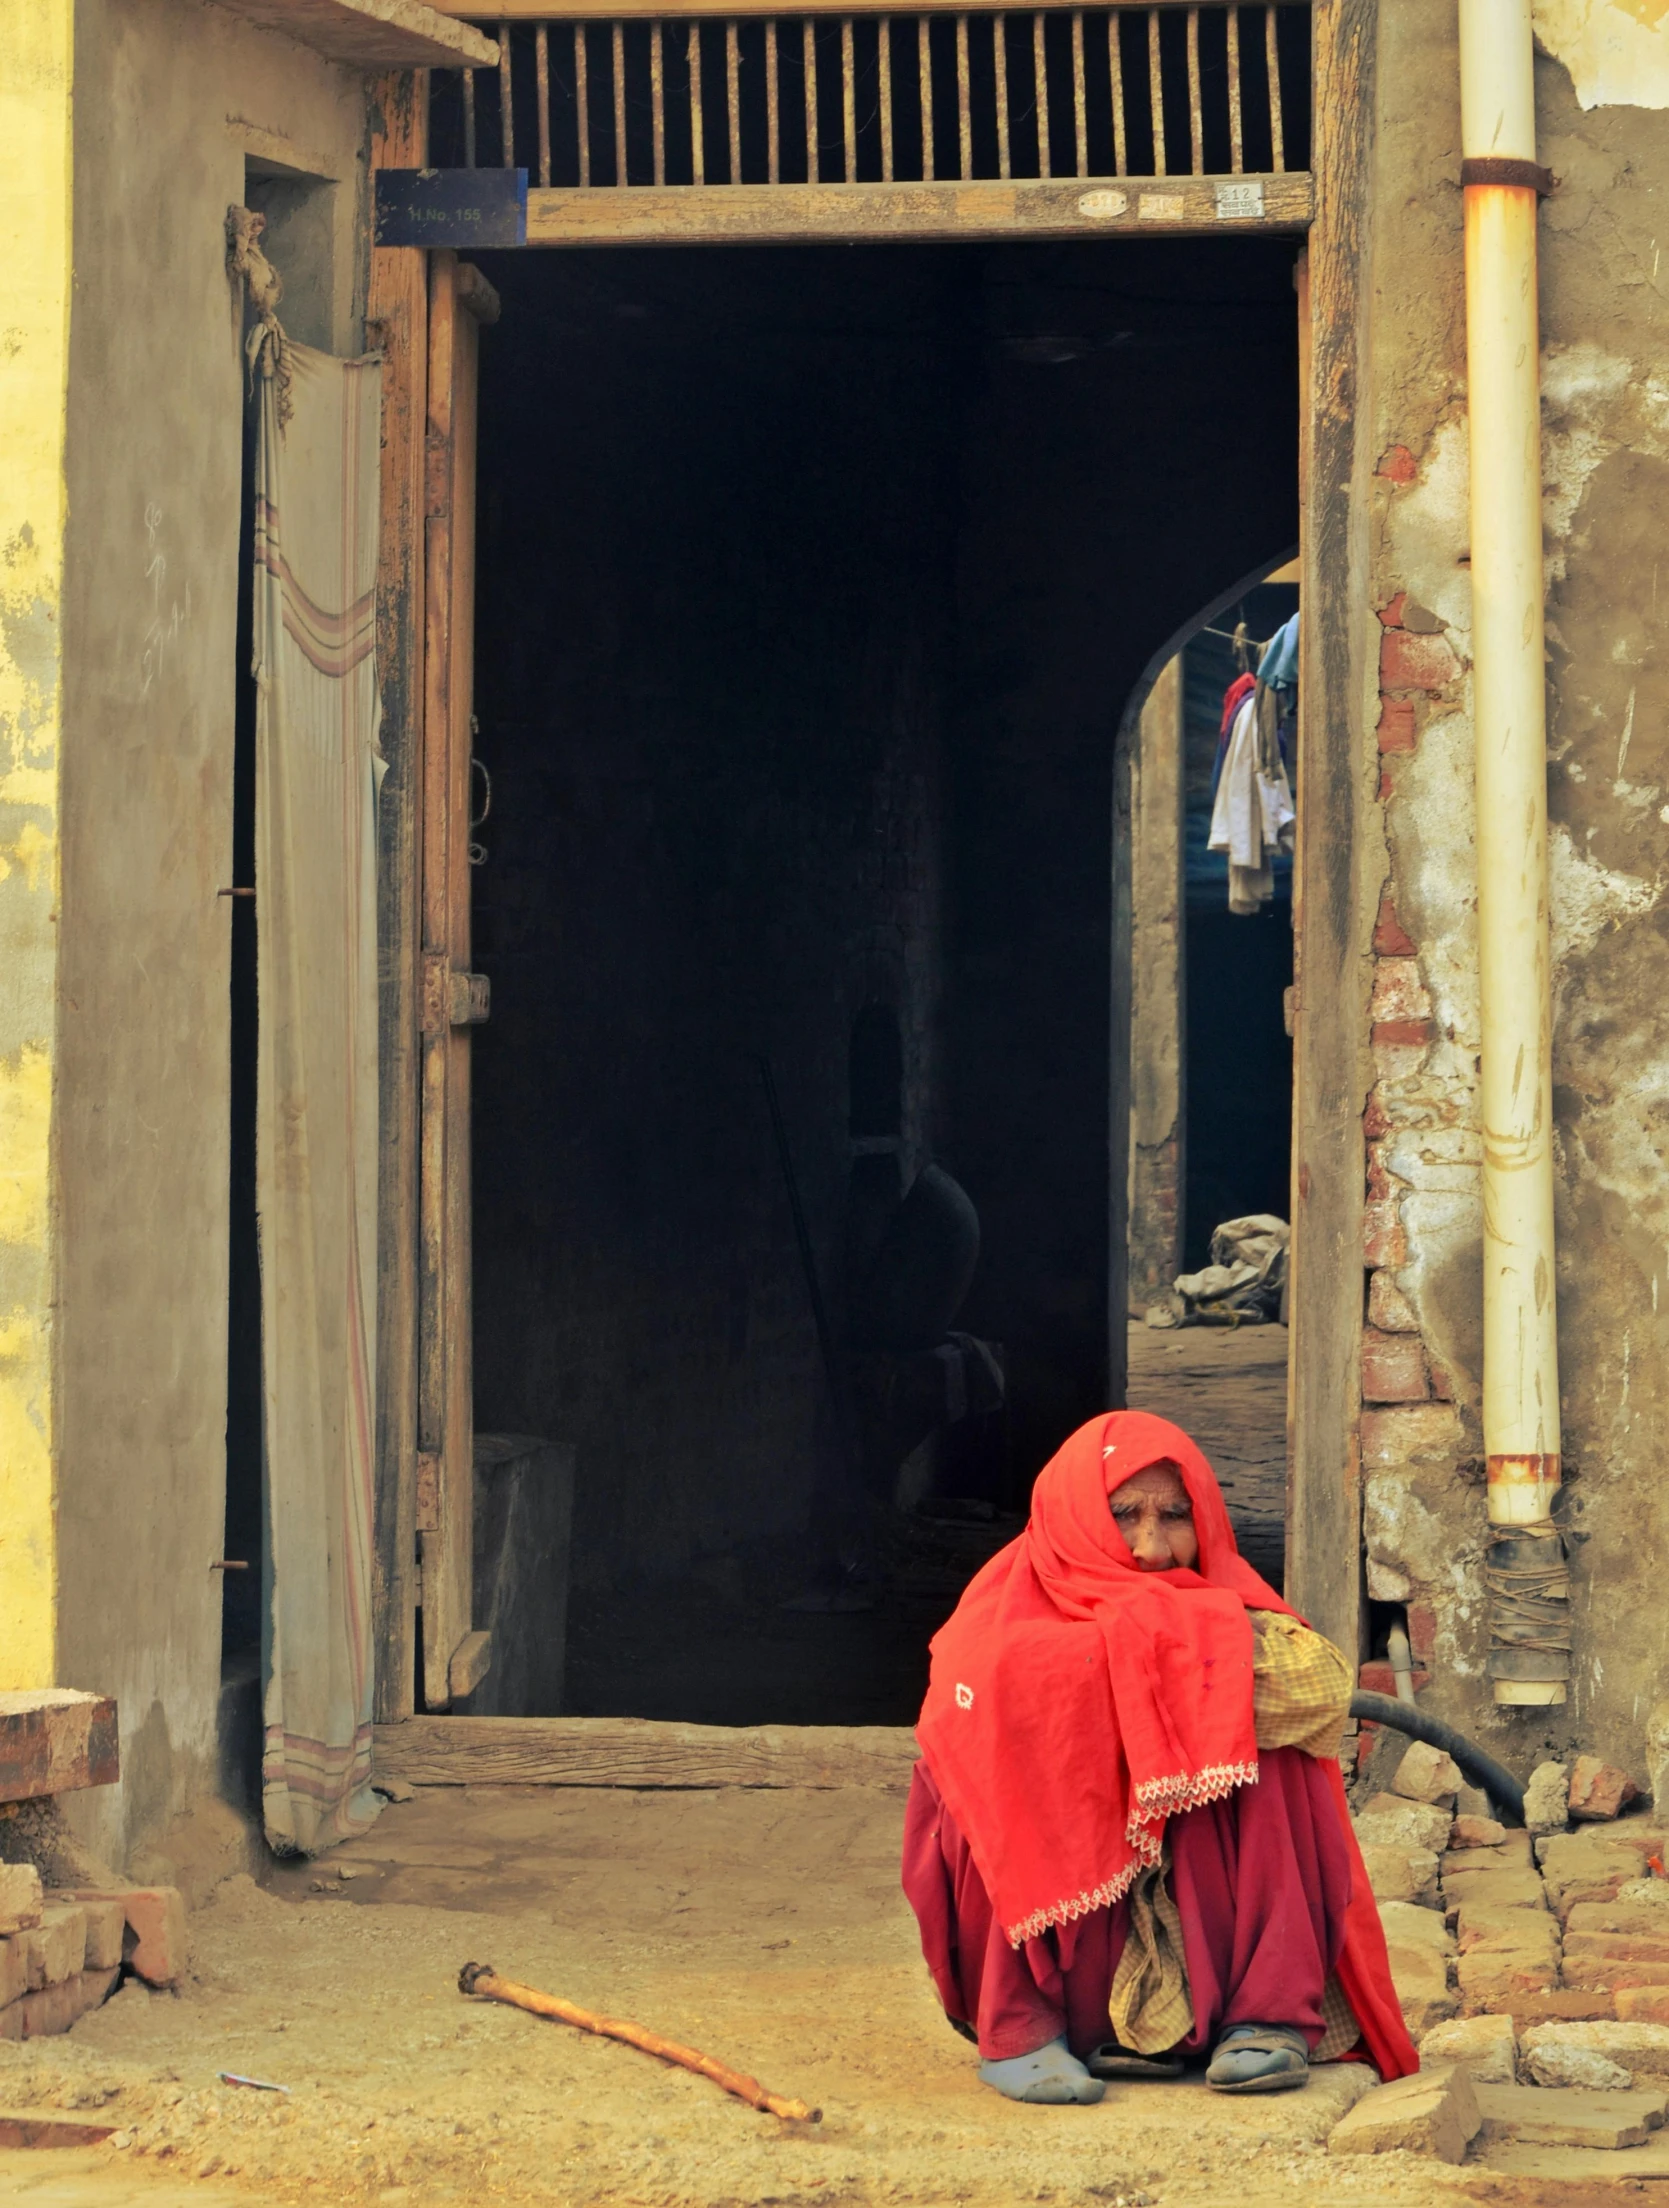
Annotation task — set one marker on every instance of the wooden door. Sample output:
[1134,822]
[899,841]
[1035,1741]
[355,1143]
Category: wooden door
[453,999]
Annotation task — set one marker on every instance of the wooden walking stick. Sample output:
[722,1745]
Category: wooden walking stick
[481,1979]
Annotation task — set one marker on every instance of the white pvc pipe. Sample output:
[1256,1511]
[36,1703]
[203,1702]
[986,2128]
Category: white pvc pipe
[1521,1370]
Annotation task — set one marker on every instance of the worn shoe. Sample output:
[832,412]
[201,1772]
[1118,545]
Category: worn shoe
[1259,2058]
[1051,2074]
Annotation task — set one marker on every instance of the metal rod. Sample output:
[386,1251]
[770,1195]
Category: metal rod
[506,103]
[1115,66]
[698,136]
[618,51]
[657,96]
[1156,93]
[924,72]
[773,109]
[733,97]
[469,118]
[542,71]
[234,893]
[1080,107]
[885,58]
[582,103]
[999,54]
[848,98]
[1196,122]
[1237,146]
[964,101]
[1040,68]
[1277,137]
[813,169]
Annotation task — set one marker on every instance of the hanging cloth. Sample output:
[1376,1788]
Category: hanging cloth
[318,769]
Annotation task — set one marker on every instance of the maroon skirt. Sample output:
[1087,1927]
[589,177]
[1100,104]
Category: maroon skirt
[1261,1882]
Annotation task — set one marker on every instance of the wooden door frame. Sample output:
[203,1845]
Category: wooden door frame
[1335,884]
[1332,1068]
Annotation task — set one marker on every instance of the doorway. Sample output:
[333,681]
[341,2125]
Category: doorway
[805,580]
[1211,960]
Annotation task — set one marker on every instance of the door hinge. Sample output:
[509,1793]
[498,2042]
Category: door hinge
[428,1491]
[451,997]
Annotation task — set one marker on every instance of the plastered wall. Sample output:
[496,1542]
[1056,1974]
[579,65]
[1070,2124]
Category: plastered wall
[1606,471]
[172,99]
[35,92]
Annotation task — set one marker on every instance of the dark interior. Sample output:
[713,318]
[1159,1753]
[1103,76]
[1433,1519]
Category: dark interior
[811,587]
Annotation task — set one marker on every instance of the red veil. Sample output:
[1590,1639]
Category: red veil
[1076,1702]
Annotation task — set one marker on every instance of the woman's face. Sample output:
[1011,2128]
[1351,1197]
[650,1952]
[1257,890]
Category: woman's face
[1152,1511]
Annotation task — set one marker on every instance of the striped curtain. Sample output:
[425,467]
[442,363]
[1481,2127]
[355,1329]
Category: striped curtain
[318,769]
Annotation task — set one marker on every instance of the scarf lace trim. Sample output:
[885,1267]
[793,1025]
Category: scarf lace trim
[1156,1799]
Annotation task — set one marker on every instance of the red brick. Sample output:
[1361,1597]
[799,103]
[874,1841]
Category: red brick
[1379,1678]
[1392,1034]
[156,1942]
[1441,1385]
[1382,1183]
[1397,731]
[1390,938]
[1388,1308]
[1398,991]
[1642,2004]
[1616,1974]
[1410,662]
[1598,1790]
[1422,1630]
[1565,2005]
[1621,1947]
[1375,1123]
[1393,1368]
[51,2011]
[1390,617]
[1383,1242]
[1387,788]
[1397,465]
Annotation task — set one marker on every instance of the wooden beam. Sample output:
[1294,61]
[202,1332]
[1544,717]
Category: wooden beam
[597,11]
[472,1659]
[1337,774]
[640,1752]
[397,324]
[779,214]
[376,34]
[54,1740]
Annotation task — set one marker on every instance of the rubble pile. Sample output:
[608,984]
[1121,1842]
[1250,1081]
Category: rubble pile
[1532,1966]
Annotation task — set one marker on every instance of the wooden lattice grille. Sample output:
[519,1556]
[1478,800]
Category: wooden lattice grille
[1029,95]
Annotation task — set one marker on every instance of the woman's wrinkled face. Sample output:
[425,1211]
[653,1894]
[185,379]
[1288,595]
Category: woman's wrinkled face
[1152,1511]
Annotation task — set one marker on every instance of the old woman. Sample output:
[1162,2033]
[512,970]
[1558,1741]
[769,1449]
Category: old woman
[1127,1842]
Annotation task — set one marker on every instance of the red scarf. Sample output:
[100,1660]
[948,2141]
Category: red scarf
[1076,1702]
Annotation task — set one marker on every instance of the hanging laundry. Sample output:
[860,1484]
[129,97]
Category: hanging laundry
[1253,814]
[1279,664]
[1238,691]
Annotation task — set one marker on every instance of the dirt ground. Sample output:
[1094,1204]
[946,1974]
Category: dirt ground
[765,1927]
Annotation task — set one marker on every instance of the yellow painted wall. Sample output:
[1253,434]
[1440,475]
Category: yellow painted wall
[35,72]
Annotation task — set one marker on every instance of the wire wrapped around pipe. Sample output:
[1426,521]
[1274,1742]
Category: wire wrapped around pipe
[1529,1592]
[1506,1796]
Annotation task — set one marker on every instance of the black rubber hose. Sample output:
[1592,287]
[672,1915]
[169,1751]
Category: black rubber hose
[1506,1796]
